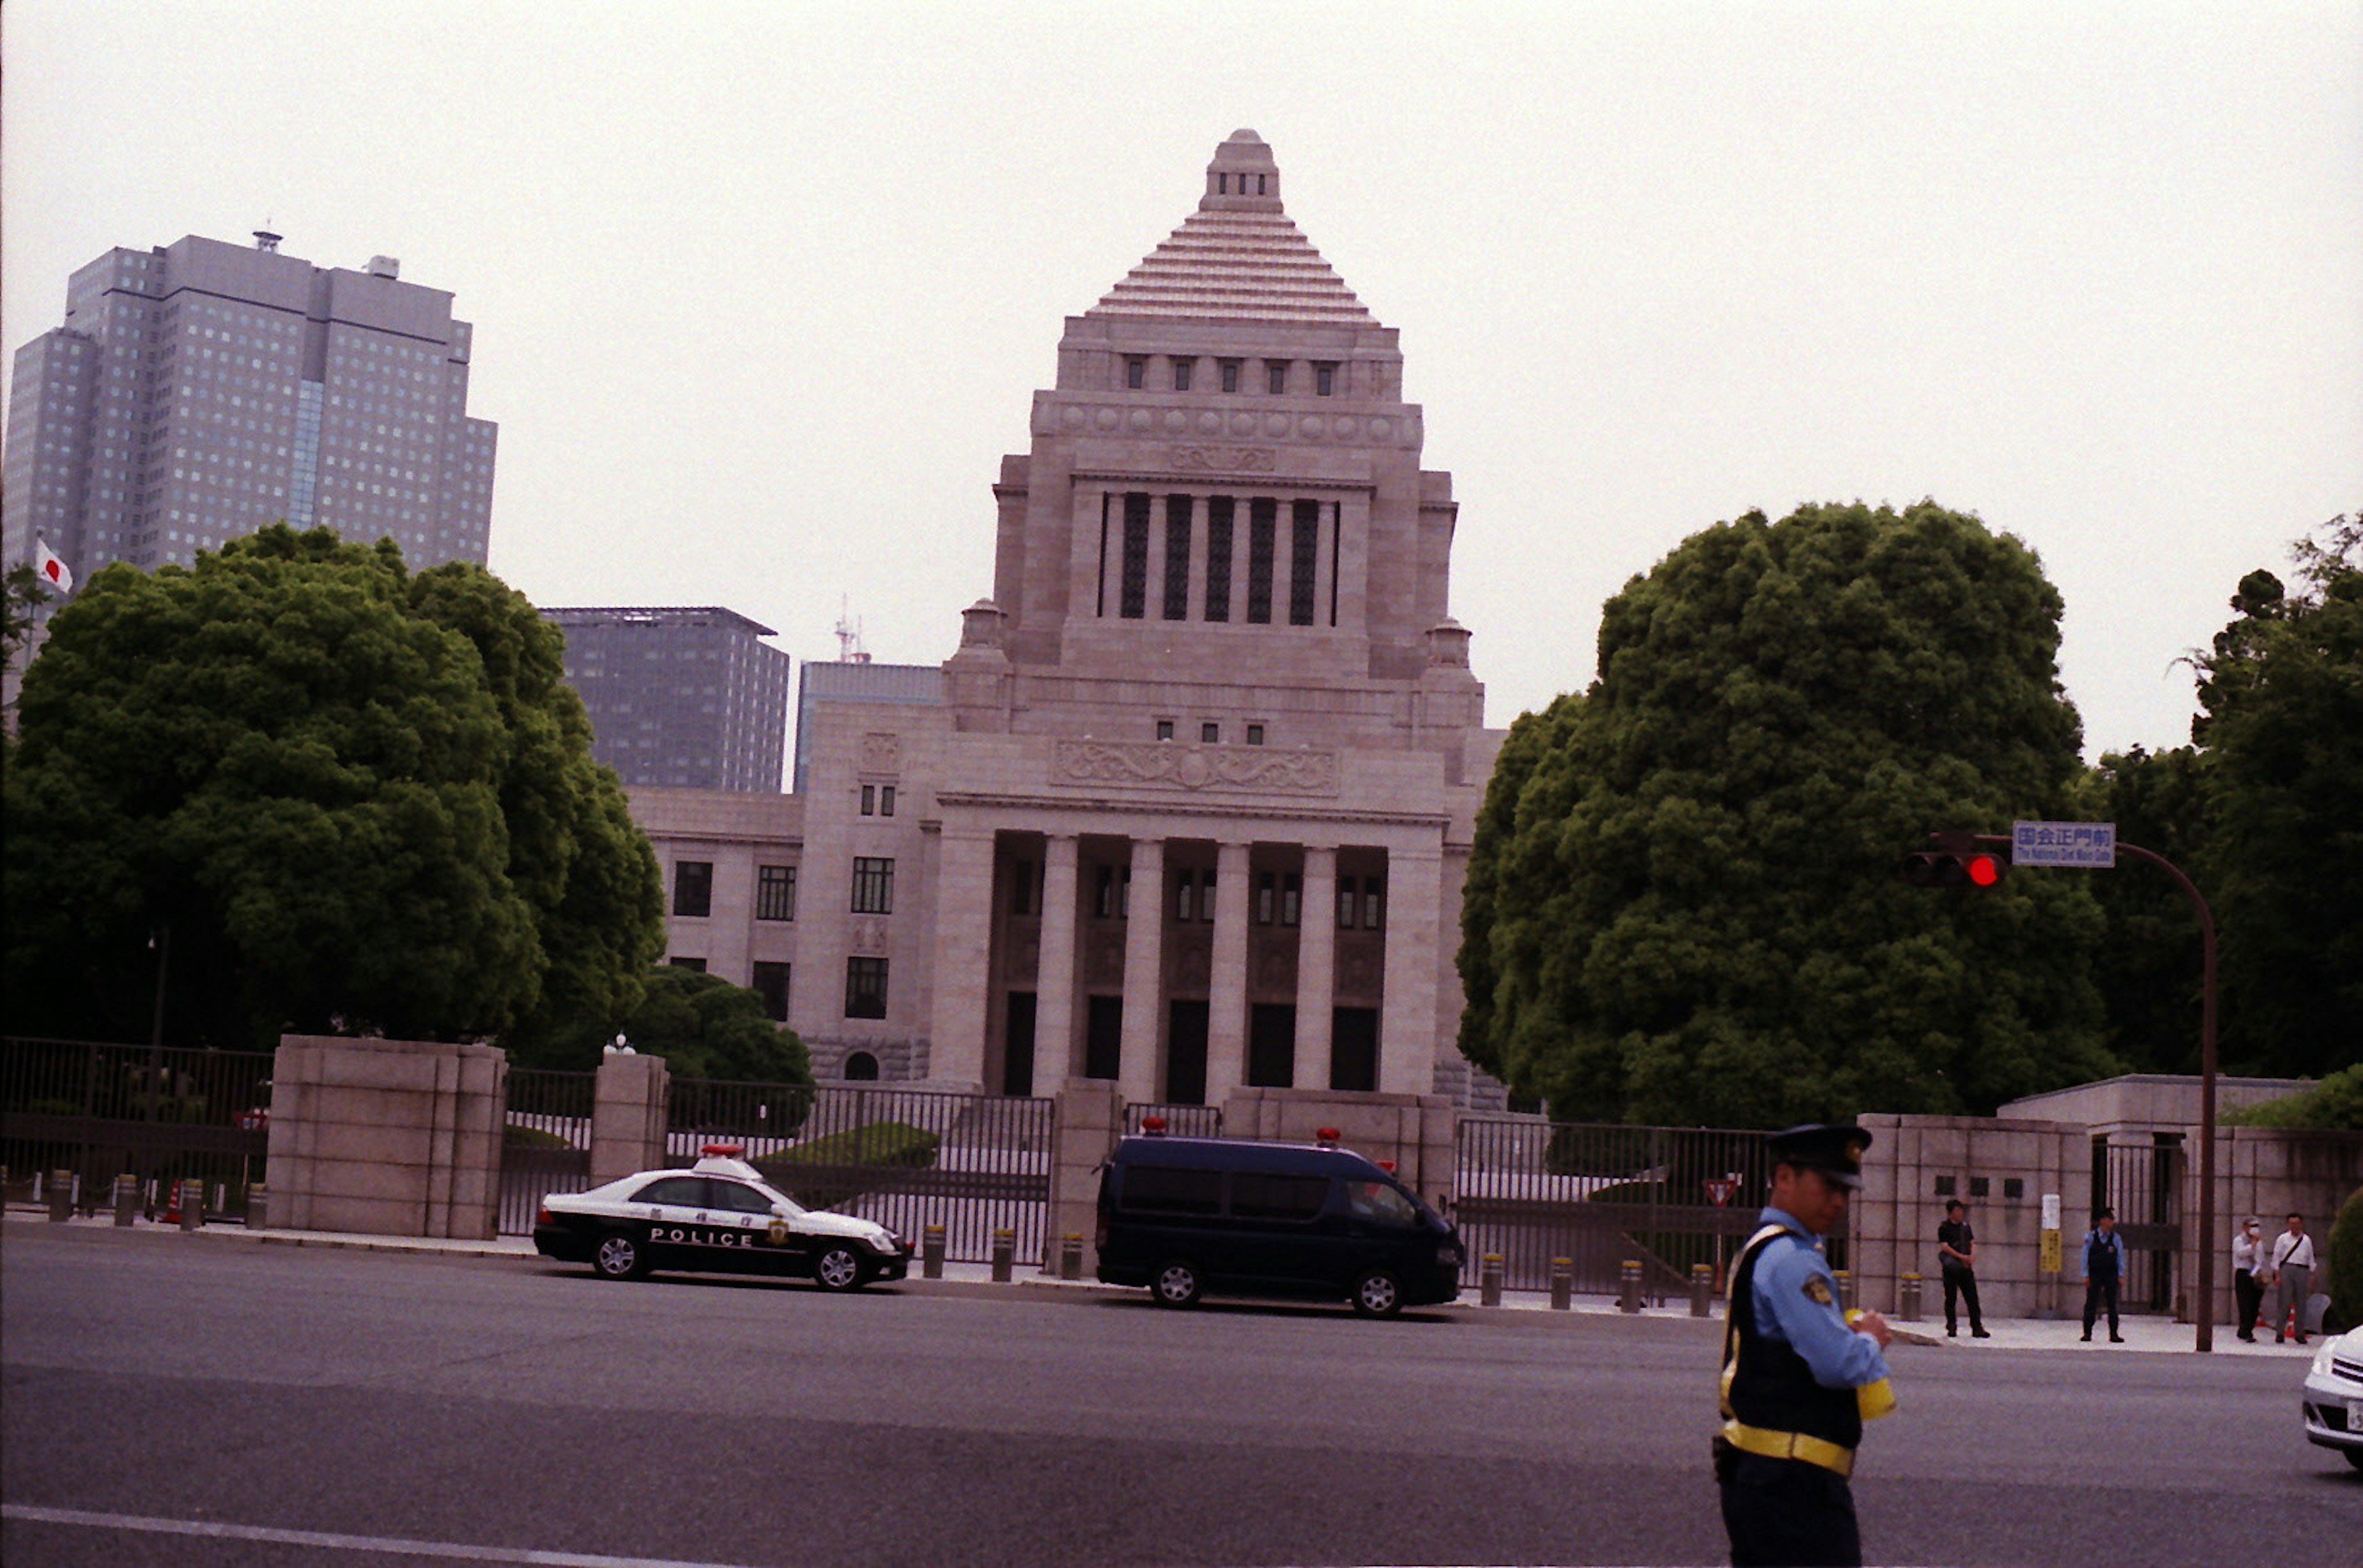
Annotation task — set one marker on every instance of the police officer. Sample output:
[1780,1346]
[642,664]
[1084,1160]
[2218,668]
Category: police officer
[1793,1366]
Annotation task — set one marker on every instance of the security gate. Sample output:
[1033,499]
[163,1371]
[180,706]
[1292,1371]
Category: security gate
[157,1113]
[545,1141]
[1531,1191]
[905,1158]
[2141,1180]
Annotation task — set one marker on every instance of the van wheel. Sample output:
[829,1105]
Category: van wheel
[1376,1294]
[1175,1284]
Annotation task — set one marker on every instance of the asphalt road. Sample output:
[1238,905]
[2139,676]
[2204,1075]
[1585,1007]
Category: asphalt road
[379,1408]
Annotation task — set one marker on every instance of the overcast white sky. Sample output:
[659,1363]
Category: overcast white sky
[763,290]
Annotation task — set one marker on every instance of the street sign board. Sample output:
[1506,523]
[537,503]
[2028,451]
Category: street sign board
[2088,844]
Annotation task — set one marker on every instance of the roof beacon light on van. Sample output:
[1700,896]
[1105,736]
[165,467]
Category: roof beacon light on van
[1153,1126]
[1327,1137]
[723,1150]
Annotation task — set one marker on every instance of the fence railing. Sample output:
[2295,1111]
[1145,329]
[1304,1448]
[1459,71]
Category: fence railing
[545,1142]
[160,1114]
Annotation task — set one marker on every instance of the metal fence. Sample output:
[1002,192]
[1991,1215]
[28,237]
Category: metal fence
[1180,1121]
[2141,1181]
[545,1141]
[1670,1197]
[905,1158]
[160,1114]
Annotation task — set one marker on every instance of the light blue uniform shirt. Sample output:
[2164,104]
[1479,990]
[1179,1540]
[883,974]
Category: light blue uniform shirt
[1787,1310]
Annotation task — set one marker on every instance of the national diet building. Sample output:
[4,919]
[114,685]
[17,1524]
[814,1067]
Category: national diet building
[1191,805]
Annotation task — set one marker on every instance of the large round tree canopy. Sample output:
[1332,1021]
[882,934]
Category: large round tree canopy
[1685,906]
[333,794]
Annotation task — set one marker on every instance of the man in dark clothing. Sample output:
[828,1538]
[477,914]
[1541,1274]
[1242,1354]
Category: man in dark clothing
[2104,1266]
[1957,1249]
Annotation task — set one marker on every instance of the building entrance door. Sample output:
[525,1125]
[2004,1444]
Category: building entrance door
[1185,1053]
[1018,1045]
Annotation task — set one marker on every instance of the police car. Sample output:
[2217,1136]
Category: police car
[720,1216]
[2333,1396]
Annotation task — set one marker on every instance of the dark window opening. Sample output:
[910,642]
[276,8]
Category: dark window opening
[865,987]
[868,800]
[1374,903]
[1325,380]
[1291,894]
[1263,1194]
[1132,599]
[1135,371]
[885,800]
[1218,558]
[1112,896]
[1165,1189]
[1276,376]
[1254,734]
[861,1068]
[775,893]
[770,983]
[1978,1187]
[1103,1036]
[1263,530]
[1165,730]
[1267,896]
[1185,1053]
[873,884]
[1354,1049]
[694,965]
[1181,369]
[1210,733]
[1304,558]
[692,887]
[1184,885]
[1944,1186]
[1017,1050]
[1021,878]
[1230,376]
[1176,556]
[1272,1046]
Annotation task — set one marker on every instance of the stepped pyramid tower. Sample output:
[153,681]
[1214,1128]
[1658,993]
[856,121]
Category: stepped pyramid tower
[1189,808]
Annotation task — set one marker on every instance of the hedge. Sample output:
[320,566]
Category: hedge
[823,1172]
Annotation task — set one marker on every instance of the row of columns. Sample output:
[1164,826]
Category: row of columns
[963,988]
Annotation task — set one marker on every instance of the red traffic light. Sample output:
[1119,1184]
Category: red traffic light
[1982,871]
[1936,868]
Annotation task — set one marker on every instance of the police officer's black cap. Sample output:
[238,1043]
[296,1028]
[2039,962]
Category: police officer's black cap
[1836,1151]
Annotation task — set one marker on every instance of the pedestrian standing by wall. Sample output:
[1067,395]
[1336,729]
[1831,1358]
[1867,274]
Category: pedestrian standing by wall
[2104,1270]
[1957,1253]
[2251,1261]
[1795,1370]
[2293,1274]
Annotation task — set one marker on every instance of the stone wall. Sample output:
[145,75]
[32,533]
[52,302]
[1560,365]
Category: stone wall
[2270,1173]
[386,1136]
[1916,1162]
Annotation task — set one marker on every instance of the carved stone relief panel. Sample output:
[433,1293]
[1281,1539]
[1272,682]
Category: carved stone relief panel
[882,754]
[1162,764]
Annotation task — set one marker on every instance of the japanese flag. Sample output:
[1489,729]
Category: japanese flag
[52,570]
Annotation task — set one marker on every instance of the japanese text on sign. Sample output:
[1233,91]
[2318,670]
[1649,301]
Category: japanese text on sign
[2063,844]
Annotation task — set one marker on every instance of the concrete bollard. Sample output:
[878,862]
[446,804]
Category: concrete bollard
[1846,1288]
[1907,1305]
[931,1251]
[1005,1246]
[1702,1290]
[1489,1279]
[126,1198]
[61,1197]
[193,1203]
[1628,1298]
[1070,1256]
[1562,1277]
[258,1207]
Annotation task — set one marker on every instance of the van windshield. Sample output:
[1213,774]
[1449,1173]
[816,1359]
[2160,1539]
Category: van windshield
[1381,1203]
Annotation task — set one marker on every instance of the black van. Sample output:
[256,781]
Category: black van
[1228,1216]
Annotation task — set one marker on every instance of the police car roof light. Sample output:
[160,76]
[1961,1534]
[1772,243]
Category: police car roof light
[723,1150]
[1153,1126]
[1327,1137]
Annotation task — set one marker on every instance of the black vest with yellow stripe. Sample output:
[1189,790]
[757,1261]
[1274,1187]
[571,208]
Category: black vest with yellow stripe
[1768,1389]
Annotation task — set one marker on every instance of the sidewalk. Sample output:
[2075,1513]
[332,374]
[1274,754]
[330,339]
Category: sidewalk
[2144,1335]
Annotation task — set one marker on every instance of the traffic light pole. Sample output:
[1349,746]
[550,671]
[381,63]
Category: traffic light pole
[2204,1308]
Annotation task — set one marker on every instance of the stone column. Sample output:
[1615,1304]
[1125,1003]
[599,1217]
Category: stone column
[1226,989]
[962,972]
[1407,1020]
[631,1111]
[1144,970]
[1054,1004]
[1316,967]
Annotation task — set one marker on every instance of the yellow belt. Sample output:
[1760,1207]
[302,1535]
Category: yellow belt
[1790,1445]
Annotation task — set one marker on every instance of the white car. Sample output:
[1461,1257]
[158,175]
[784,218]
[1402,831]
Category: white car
[2333,1396]
[720,1216]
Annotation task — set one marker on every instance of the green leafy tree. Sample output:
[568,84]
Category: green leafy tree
[22,593]
[2336,1103]
[1684,903]
[2281,729]
[336,795]
[2149,962]
[704,1028]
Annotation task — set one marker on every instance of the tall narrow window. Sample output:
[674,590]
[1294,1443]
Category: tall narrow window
[865,987]
[1218,558]
[1263,529]
[1021,877]
[1325,380]
[1349,903]
[770,983]
[1165,730]
[692,887]
[1112,895]
[873,884]
[1132,598]
[775,893]
[1184,885]
[1267,897]
[1276,376]
[1303,560]
[1230,376]
[1292,895]
[1374,903]
[1135,371]
[1181,369]
[885,800]
[1176,556]
[868,800]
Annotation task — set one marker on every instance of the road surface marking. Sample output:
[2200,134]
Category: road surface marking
[456,1550]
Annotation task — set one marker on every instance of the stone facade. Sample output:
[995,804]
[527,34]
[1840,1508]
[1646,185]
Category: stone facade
[1193,810]
[386,1136]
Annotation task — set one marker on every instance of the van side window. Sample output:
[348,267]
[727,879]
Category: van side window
[1168,1190]
[1378,1201]
[1258,1194]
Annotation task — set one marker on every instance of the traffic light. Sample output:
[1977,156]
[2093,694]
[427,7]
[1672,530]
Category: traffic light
[1955,868]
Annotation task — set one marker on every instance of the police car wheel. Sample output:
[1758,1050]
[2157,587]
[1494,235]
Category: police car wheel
[836,1268]
[619,1257]
[1175,1284]
[1377,1295]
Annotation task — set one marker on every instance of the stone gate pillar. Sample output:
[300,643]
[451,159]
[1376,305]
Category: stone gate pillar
[387,1137]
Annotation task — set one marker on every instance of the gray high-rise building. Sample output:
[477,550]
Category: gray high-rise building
[201,390]
[684,697]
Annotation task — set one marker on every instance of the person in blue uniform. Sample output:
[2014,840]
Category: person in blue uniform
[1793,1366]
